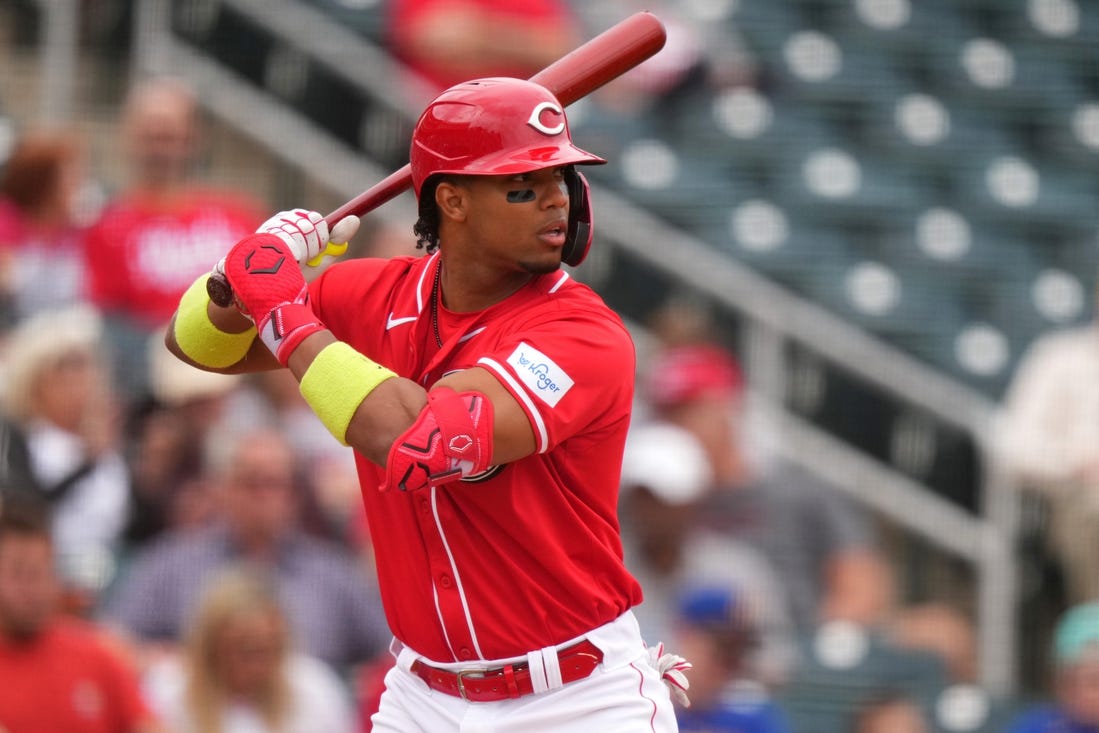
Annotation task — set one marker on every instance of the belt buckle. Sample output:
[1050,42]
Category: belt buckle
[461,675]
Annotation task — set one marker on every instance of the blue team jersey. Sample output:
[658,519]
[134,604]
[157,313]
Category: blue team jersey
[1048,720]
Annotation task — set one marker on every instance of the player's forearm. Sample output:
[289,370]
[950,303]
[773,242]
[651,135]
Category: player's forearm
[381,416]
[212,338]
[256,359]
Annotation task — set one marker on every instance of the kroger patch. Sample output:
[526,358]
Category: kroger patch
[540,374]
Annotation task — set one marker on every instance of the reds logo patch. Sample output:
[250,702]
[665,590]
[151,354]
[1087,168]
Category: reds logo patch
[547,111]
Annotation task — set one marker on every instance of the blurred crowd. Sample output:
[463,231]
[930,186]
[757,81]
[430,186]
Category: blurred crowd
[191,543]
[182,551]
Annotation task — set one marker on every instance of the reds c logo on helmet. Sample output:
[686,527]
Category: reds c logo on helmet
[536,116]
[501,126]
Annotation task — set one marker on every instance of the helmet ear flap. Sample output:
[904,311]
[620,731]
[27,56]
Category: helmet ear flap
[579,236]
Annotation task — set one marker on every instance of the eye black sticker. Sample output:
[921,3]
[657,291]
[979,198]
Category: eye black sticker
[521,197]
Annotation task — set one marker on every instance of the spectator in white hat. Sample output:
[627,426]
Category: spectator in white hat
[665,474]
[62,419]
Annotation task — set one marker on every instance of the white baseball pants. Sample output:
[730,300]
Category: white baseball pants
[623,695]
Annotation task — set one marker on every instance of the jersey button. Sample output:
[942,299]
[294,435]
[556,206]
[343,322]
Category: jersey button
[465,653]
[425,505]
[444,580]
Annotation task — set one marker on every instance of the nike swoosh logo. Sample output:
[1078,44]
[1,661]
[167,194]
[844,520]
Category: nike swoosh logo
[391,321]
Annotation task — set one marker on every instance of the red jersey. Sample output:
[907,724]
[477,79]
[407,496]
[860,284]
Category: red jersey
[145,251]
[67,680]
[528,554]
[405,14]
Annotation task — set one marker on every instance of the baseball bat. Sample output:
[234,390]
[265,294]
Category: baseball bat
[575,75]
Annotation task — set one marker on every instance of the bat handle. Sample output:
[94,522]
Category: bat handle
[331,249]
[221,293]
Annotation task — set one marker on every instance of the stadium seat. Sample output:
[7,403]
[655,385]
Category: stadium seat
[930,134]
[902,29]
[1013,188]
[605,130]
[685,189]
[1072,27]
[765,237]
[751,130]
[1068,134]
[822,69]
[842,670]
[843,185]
[764,24]
[964,708]
[944,244]
[1011,79]
[905,308]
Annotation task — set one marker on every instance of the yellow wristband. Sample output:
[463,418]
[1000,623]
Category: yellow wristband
[336,383]
[198,337]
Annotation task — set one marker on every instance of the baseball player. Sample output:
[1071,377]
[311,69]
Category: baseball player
[487,397]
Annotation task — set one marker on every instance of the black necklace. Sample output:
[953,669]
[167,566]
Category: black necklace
[435,306]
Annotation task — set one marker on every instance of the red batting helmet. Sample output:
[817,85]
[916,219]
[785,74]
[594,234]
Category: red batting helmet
[502,126]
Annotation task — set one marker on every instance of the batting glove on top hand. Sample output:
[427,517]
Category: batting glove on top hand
[271,290]
[307,235]
[671,668]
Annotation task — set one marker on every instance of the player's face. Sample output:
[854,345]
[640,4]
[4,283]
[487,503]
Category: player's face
[521,220]
[28,585]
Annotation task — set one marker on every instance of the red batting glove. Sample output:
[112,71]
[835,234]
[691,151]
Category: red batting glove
[271,290]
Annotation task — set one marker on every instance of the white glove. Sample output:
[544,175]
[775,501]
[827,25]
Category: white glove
[671,668]
[306,234]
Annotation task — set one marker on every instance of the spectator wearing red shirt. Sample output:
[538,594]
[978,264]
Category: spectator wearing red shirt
[56,674]
[41,230]
[160,233]
[449,42]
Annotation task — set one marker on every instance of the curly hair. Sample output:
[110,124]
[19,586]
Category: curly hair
[426,227]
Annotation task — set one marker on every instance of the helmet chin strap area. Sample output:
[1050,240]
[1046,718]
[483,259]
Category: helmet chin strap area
[579,235]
